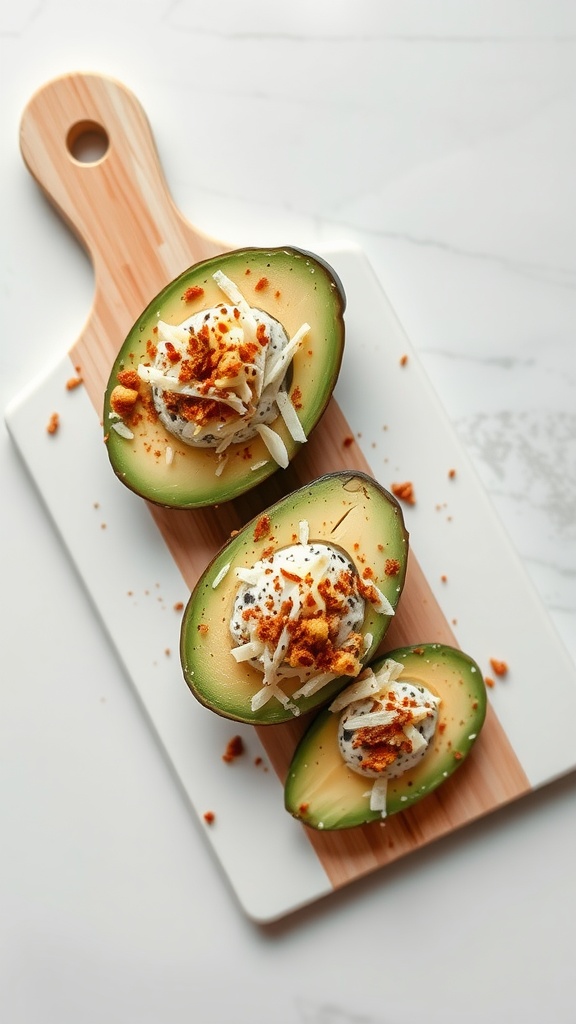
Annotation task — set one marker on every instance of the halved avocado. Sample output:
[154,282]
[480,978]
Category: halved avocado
[324,793]
[289,284]
[348,510]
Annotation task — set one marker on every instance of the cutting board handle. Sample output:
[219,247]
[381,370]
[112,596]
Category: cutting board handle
[118,204]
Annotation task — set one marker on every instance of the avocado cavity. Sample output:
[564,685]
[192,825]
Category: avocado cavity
[296,603]
[390,738]
[224,376]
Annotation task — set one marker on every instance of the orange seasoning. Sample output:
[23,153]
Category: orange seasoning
[194,292]
[262,528]
[53,423]
[234,749]
[392,567]
[499,668]
[405,492]
[261,284]
[297,398]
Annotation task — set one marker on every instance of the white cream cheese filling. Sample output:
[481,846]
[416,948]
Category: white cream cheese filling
[218,378]
[386,726]
[298,614]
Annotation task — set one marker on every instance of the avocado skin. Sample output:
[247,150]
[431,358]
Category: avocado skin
[342,508]
[323,793]
[303,288]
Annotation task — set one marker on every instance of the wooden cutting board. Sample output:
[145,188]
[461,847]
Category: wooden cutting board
[121,210]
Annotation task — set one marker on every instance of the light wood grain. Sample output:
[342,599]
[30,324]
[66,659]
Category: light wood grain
[122,212]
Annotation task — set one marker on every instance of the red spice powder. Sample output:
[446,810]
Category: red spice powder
[194,292]
[53,423]
[297,398]
[262,528]
[404,492]
[392,567]
[499,668]
[234,749]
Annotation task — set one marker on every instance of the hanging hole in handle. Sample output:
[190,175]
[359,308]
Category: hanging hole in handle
[87,142]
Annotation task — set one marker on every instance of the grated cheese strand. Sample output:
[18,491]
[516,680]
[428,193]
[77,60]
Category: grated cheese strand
[274,444]
[290,417]
[275,371]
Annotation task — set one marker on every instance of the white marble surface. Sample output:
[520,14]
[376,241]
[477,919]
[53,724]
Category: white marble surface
[440,136]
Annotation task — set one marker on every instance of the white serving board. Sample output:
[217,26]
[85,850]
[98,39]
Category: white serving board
[487,596]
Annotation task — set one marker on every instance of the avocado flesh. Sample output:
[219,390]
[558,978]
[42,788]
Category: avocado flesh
[300,288]
[343,509]
[324,793]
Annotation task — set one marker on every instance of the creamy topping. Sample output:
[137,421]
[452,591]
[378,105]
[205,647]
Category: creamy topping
[297,614]
[386,726]
[218,378]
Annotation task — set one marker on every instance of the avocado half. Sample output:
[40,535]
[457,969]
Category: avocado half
[292,286]
[346,509]
[324,793]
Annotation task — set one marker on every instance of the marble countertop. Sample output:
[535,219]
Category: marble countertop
[440,138]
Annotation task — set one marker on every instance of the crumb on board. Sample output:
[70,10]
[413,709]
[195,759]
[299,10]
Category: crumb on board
[178,606]
[499,668]
[403,360]
[73,382]
[404,492]
[489,681]
[444,577]
[234,749]
[53,423]
[451,474]
[348,440]
[209,817]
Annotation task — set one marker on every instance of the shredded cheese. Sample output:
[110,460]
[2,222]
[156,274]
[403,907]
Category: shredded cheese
[298,615]
[274,444]
[123,429]
[220,576]
[217,377]
[385,728]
